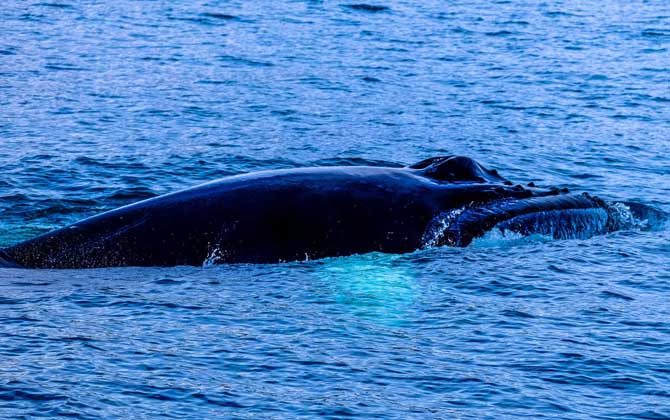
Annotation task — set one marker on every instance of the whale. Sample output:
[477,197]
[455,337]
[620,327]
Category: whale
[309,213]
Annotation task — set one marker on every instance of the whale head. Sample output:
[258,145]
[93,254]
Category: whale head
[493,203]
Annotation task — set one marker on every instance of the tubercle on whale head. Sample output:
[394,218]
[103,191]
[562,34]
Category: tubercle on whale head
[454,169]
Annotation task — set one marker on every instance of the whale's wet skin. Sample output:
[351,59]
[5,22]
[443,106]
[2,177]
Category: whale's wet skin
[301,214]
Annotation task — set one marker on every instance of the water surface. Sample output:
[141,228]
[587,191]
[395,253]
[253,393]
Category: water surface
[104,104]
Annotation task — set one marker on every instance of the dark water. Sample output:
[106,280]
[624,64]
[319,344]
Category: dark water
[103,104]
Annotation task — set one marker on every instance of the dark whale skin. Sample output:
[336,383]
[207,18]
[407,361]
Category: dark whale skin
[284,215]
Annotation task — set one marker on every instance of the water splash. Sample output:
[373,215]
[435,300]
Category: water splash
[435,232]
[215,256]
[622,217]
[506,238]
[639,216]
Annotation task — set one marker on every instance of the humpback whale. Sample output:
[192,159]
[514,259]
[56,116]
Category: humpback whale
[310,213]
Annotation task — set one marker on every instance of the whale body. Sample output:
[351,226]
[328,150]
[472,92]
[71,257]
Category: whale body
[309,213]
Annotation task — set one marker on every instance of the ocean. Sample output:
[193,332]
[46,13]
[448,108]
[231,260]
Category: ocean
[106,103]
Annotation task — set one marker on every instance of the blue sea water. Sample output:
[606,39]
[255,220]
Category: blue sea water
[106,103]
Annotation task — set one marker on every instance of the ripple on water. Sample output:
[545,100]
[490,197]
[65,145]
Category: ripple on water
[103,106]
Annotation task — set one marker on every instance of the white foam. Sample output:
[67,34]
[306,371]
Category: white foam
[623,218]
[214,257]
[495,238]
[438,226]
